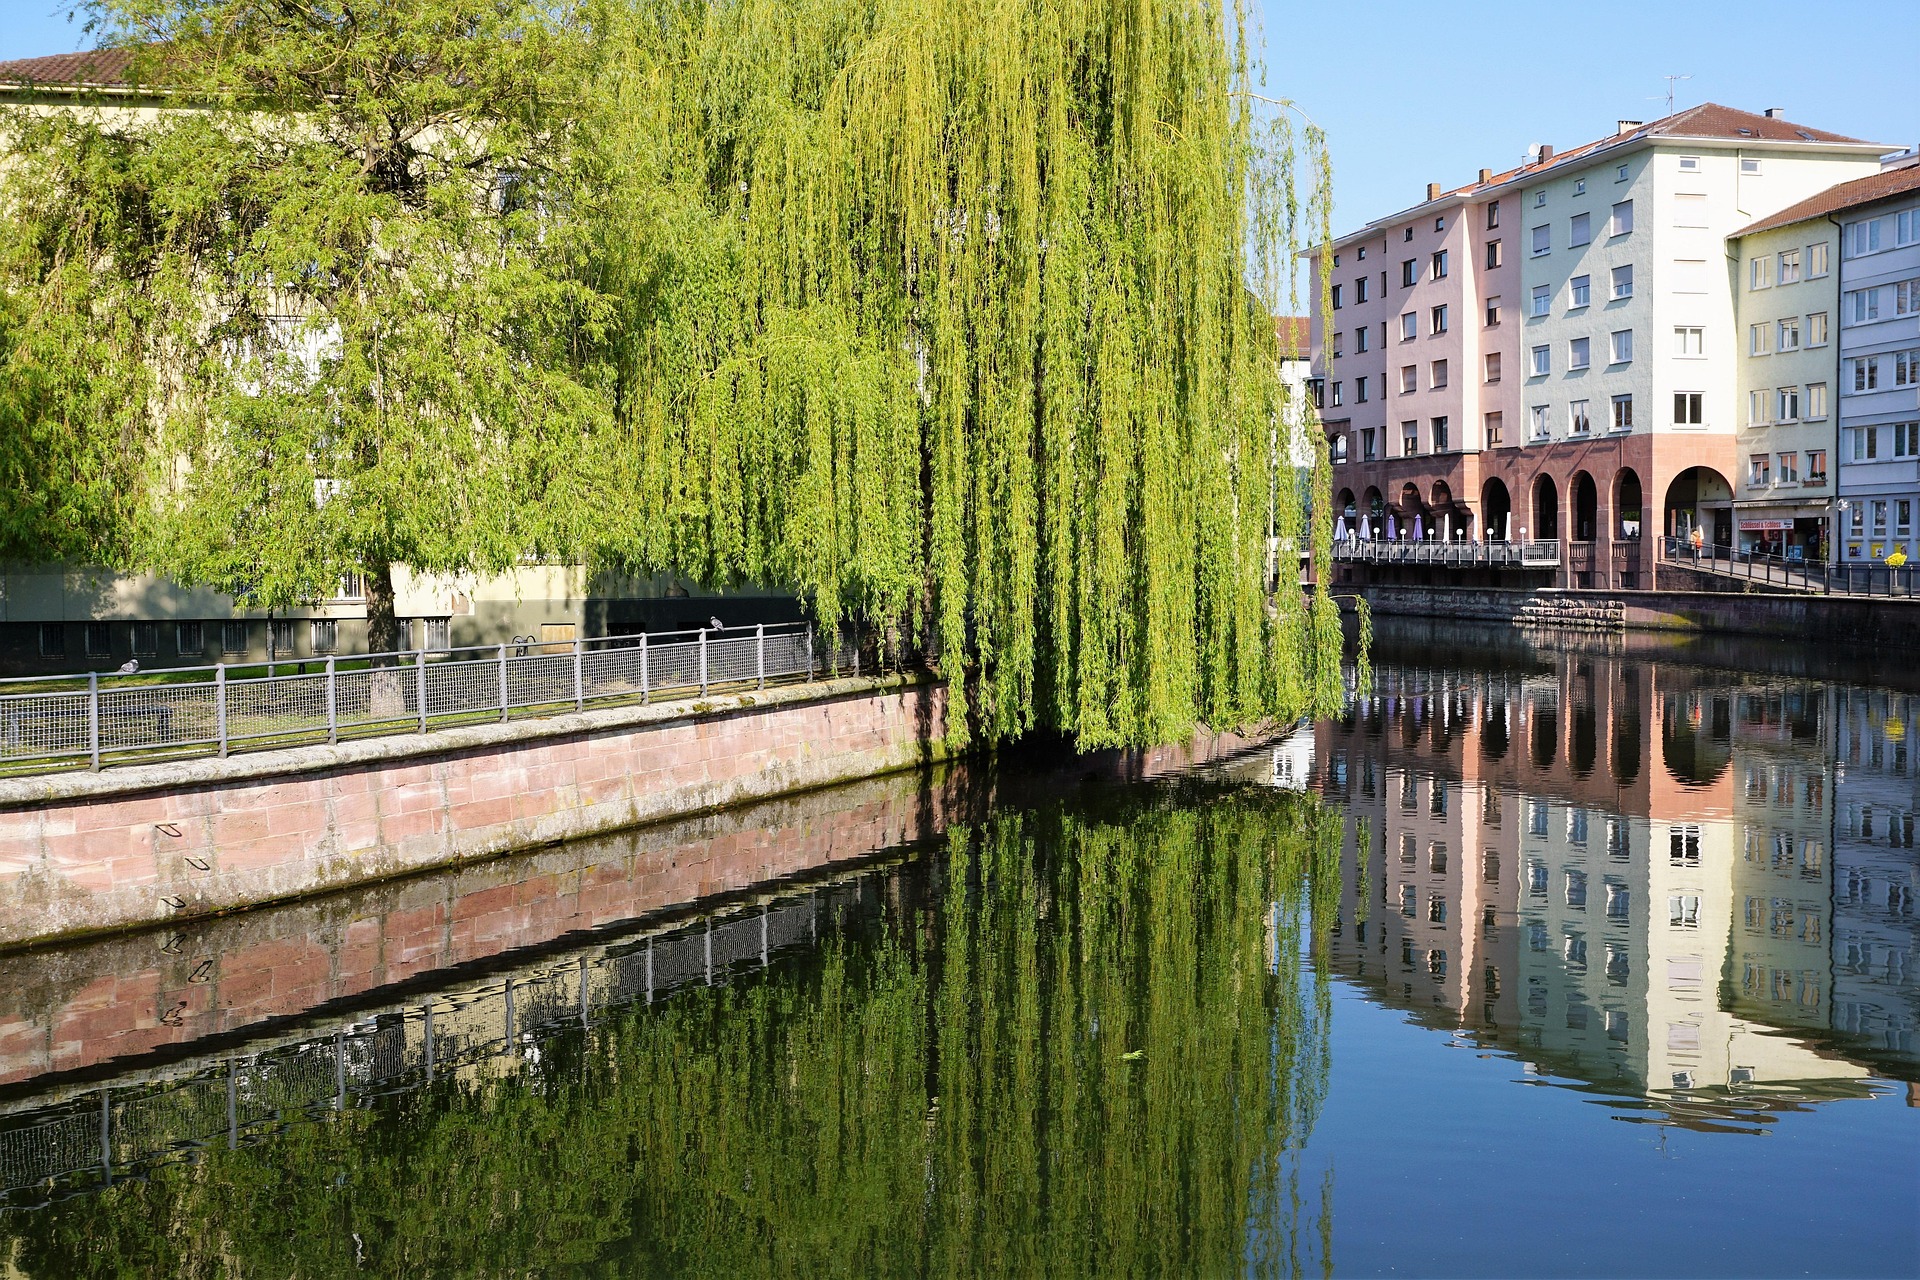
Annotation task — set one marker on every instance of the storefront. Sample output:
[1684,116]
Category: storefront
[1790,534]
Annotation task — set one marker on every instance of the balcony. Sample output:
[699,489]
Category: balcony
[1453,555]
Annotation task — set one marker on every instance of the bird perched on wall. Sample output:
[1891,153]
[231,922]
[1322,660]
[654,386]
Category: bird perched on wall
[715,624]
[128,667]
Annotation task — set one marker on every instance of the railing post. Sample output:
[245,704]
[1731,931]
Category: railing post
[809,654]
[93,720]
[760,652]
[333,705]
[646,692]
[579,686]
[220,706]
[703,662]
[503,679]
[420,685]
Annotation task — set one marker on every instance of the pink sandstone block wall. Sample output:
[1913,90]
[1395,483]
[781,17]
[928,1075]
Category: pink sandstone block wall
[149,844]
[129,995]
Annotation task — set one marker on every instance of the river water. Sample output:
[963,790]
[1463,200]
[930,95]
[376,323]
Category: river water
[1554,956]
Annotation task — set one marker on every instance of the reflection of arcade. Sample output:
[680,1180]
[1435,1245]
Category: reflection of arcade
[1578,855]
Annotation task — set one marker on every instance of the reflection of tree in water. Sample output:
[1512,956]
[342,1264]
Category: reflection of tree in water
[1072,1046]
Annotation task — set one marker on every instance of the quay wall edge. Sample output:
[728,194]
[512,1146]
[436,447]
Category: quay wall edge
[142,845]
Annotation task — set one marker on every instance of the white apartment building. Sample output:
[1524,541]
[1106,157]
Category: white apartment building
[1879,365]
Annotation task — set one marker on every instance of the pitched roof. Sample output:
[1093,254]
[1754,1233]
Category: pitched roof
[88,68]
[1292,333]
[1846,195]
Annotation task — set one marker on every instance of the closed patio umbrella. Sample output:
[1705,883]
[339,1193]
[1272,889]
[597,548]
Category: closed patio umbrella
[1419,528]
[1393,528]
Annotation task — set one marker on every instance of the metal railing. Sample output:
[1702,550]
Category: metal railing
[56,722]
[1496,555]
[1843,579]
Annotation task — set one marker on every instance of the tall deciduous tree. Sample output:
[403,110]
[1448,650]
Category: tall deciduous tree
[333,277]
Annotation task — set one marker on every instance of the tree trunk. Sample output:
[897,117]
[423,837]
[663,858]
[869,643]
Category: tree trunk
[387,692]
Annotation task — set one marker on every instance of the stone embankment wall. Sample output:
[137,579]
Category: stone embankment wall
[152,844]
[1893,624]
[133,996]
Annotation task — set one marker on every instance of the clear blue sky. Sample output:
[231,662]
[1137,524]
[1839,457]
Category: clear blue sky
[1432,92]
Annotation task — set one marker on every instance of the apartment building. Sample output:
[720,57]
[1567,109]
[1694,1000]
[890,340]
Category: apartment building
[1603,407]
[1788,285]
[1879,371]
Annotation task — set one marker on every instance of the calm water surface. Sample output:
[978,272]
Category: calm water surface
[1544,960]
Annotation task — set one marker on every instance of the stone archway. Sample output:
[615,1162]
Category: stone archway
[1699,498]
[1627,502]
[1586,508]
[1496,511]
[1546,510]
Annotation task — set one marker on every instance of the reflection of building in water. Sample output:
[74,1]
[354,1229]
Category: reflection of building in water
[1622,871]
[1876,931]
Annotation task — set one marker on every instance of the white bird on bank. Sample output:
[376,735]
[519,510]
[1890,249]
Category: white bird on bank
[128,667]
[716,625]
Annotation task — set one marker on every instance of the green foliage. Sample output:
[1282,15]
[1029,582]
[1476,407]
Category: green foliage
[1065,1051]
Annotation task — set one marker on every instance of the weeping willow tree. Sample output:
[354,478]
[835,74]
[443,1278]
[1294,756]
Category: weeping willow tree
[958,318]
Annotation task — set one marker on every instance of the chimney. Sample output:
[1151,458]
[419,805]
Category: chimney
[1546,152]
[1776,113]
[1433,191]
[1486,176]
[1627,126]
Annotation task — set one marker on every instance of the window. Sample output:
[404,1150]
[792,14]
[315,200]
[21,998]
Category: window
[1816,466]
[1683,911]
[325,635]
[1879,519]
[1338,388]
[1688,408]
[1437,375]
[1790,468]
[1577,420]
[279,638]
[1788,272]
[1409,439]
[1749,165]
[1689,164]
[1786,334]
[1906,297]
[1689,210]
[1866,373]
[189,639]
[1906,368]
[1816,260]
[1409,380]
[1409,327]
[436,634]
[1339,445]
[1579,186]
[1757,406]
[1620,350]
[1787,404]
[1866,447]
[1758,472]
[1581,289]
[1757,340]
[1493,215]
[1494,427]
[1406,233]
[1493,366]
[1493,311]
[53,640]
[1903,518]
[1620,174]
[1337,303]
[1541,427]
[1578,356]
[1542,361]
[1622,218]
[1542,240]
[146,639]
[1440,441]
[1359,290]
[1437,320]
[1906,439]
[1360,336]
[1623,413]
[1438,269]
[1817,329]
[1689,340]
[1862,306]
[1906,226]
[1577,889]
[1439,224]
[1340,344]
[233,639]
[1542,299]
[99,640]
[1863,238]
[1493,254]
[1369,445]
[1360,390]
[1409,273]
[1760,273]
[1360,256]
[1623,282]
[1540,198]
[1689,275]
[1579,230]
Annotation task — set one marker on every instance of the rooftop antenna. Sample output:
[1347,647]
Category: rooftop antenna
[1670,79]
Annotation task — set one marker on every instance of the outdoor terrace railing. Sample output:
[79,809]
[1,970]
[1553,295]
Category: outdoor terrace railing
[95,720]
[1465,555]
[1873,579]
